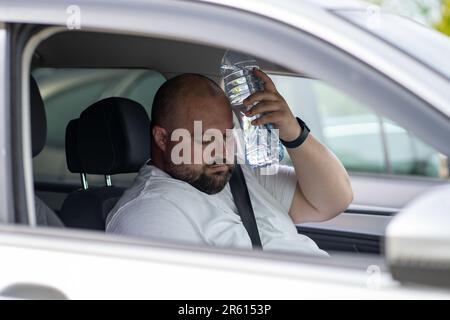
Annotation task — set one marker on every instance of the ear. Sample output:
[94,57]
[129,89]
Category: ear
[160,137]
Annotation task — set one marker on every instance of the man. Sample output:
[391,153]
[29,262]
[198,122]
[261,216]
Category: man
[192,203]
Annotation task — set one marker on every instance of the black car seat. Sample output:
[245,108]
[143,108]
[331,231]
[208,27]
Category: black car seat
[44,215]
[110,137]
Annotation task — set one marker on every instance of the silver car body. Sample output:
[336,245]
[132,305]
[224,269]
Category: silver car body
[87,265]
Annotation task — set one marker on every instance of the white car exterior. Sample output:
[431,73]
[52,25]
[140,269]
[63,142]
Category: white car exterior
[84,265]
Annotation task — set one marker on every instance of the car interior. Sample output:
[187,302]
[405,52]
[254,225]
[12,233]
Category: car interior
[91,97]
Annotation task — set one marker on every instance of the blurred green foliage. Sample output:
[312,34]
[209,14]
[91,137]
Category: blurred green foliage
[444,25]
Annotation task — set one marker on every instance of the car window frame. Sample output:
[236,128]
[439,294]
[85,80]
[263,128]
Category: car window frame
[355,63]
[6,196]
[344,14]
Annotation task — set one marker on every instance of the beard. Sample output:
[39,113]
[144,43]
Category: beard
[204,181]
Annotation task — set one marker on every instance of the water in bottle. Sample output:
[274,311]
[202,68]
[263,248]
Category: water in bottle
[262,144]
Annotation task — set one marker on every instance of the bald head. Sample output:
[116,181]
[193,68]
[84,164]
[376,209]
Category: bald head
[186,98]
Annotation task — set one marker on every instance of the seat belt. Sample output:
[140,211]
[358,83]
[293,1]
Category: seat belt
[244,207]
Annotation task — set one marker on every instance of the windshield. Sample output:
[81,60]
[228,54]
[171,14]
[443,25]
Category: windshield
[418,41]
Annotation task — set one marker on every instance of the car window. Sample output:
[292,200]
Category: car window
[66,93]
[363,140]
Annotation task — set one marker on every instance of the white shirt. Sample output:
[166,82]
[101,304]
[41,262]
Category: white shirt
[160,207]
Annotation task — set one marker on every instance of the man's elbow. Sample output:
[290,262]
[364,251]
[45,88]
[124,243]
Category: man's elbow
[338,206]
[347,199]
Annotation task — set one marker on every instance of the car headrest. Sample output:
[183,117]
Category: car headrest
[112,136]
[72,159]
[38,118]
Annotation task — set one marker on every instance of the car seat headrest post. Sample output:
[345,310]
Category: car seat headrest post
[84,181]
[108,181]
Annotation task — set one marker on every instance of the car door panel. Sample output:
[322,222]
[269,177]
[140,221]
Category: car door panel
[389,191]
[82,265]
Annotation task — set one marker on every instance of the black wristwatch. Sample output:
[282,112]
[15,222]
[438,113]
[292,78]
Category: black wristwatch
[301,138]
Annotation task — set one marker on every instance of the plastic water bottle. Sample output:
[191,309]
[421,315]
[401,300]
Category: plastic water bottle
[262,144]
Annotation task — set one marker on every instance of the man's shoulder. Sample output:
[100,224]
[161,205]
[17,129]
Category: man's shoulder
[262,175]
[143,209]
[272,170]
[158,198]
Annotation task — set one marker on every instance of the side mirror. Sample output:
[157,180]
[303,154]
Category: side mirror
[418,240]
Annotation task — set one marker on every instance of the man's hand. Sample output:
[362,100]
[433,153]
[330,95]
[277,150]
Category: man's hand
[323,186]
[272,108]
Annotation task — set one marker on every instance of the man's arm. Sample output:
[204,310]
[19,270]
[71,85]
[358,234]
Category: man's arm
[323,187]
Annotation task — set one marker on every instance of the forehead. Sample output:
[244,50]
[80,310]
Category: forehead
[211,111]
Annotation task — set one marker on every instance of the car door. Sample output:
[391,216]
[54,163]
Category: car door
[76,263]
